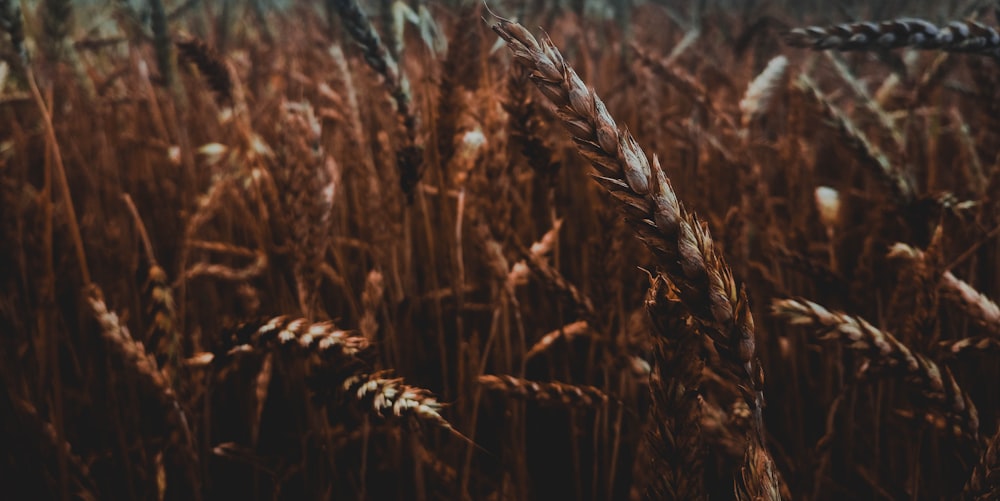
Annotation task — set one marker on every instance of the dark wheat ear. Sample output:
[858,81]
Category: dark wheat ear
[12,24]
[984,484]
[211,66]
[956,36]
[410,155]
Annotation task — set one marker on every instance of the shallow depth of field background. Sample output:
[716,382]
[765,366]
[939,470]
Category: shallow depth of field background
[242,257]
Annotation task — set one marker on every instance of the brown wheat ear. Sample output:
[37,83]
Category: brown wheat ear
[141,366]
[674,438]
[547,393]
[884,353]
[681,241]
[12,24]
[984,484]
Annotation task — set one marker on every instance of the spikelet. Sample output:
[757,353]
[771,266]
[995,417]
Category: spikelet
[307,178]
[674,438]
[163,335]
[758,479]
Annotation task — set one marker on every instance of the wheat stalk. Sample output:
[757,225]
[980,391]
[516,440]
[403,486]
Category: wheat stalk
[526,125]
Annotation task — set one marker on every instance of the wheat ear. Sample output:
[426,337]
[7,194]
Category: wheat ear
[956,36]
[680,240]
[12,23]
[883,352]
[973,303]
[321,338]
[984,484]
[210,65]
[545,393]
[388,398]
[356,23]
[153,384]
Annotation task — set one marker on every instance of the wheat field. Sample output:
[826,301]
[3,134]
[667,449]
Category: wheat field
[507,251]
